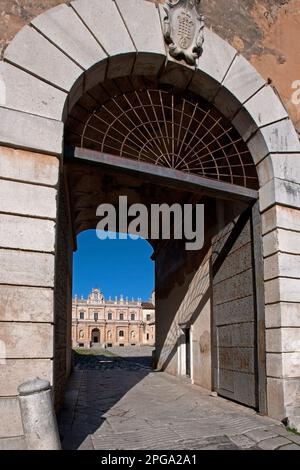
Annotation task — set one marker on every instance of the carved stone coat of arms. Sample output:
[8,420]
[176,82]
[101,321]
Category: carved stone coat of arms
[183,29]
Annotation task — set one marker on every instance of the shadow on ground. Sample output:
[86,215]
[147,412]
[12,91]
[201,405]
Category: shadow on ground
[93,391]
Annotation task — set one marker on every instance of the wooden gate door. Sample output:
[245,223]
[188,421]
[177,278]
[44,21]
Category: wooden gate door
[238,310]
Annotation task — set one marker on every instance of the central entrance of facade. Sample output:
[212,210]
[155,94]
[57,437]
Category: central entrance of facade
[95,336]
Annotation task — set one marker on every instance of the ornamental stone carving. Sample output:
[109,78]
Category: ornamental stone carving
[183,29]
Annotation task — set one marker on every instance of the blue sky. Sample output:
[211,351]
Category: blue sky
[114,266]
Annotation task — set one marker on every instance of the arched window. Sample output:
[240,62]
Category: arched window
[96,316]
[121,334]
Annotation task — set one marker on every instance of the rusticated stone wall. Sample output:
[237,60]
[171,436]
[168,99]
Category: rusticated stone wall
[266,32]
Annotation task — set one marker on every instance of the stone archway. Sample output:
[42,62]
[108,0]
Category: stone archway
[49,67]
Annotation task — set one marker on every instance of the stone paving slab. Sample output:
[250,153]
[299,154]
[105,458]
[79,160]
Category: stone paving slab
[128,406]
[290,447]
[273,443]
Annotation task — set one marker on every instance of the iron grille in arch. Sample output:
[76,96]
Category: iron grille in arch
[164,129]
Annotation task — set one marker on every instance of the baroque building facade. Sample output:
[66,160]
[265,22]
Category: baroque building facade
[97,321]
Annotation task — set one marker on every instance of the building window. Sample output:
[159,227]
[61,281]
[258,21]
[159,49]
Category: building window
[121,334]
[147,336]
[81,315]
[109,316]
[132,316]
[121,316]
[148,317]
[96,316]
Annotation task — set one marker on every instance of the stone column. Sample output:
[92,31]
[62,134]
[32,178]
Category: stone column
[38,416]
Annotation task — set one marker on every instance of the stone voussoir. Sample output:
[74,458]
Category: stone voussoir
[212,65]
[279,137]
[262,109]
[241,82]
[26,93]
[143,23]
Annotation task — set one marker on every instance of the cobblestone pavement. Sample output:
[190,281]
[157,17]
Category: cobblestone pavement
[120,403]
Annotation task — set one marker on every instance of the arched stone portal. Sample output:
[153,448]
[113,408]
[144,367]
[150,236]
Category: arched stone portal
[53,73]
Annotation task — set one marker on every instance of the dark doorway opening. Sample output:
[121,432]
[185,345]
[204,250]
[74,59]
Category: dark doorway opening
[188,352]
[95,336]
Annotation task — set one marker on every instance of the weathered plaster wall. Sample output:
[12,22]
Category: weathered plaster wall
[266,32]
[184,301]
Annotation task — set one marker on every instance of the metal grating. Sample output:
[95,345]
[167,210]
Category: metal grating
[164,129]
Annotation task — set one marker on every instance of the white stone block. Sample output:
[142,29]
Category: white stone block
[30,132]
[26,304]
[31,51]
[27,340]
[26,268]
[27,166]
[262,109]
[282,290]
[285,241]
[111,31]
[284,365]
[26,233]
[282,314]
[143,23]
[280,192]
[270,243]
[18,371]
[283,340]
[26,93]
[283,166]
[241,82]
[275,397]
[65,29]
[212,65]
[282,265]
[27,199]
[10,417]
[282,217]
[280,137]
[282,395]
